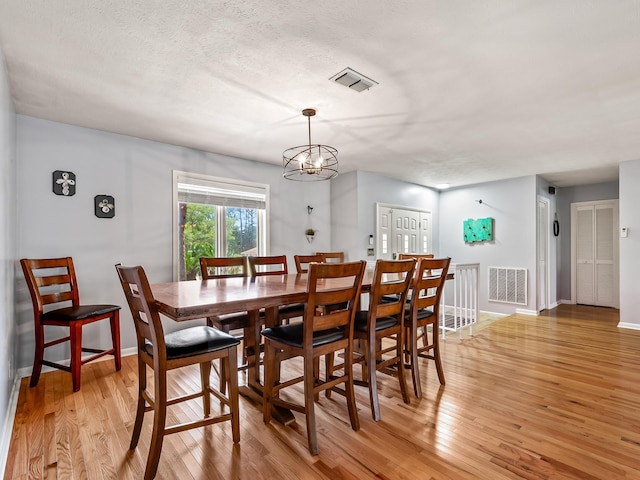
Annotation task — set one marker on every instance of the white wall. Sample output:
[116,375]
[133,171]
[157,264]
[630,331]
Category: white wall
[7,257]
[630,246]
[567,196]
[512,204]
[138,173]
[554,242]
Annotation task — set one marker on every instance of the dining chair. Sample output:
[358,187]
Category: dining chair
[56,302]
[384,319]
[332,256]
[323,332]
[161,352]
[303,261]
[406,256]
[227,267]
[275,265]
[423,311]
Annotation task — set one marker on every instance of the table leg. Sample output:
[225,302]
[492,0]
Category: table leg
[252,339]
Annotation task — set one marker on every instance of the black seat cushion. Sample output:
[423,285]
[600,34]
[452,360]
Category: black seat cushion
[422,313]
[231,321]
[69,314]
[381,323]
[292,335]
[195,341]
[294,308]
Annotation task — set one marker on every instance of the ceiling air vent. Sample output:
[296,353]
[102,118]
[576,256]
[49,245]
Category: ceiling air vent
[354,80]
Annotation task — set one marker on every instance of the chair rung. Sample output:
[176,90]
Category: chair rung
[95,357]
[56,365]
[196,424]
[56,342]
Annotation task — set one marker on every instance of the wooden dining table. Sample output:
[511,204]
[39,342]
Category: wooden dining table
[198,299]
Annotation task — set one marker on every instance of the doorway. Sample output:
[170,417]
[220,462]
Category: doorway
[402,230]
[594,253]
[543,255]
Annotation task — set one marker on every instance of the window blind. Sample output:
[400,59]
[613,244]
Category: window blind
[213,191]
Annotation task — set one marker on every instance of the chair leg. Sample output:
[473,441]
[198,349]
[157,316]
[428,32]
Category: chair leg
[328,367]
[142,386]
[269,374]
[76,353]
[415,369]
[400,367]
[436,354]
[232,379]
[38,356]
[205,377]
[159,422]
[115,339]
[371,379]
[349,391]
[309,404]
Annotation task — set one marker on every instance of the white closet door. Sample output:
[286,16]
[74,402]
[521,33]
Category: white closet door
[595,253]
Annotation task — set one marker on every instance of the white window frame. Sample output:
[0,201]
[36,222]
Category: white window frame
[219,182]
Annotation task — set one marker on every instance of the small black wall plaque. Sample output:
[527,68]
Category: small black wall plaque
[105,206]
[64,183]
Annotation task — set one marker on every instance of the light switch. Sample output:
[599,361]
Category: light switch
[624,231]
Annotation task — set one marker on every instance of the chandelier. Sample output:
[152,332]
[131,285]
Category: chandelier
[311,162]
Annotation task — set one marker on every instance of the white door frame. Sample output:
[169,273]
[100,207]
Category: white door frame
[543,285]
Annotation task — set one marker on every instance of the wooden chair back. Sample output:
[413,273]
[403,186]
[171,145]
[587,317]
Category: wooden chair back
[332,256]
[334,308]
[430,278]
[268,265]
[146,318]
[303,261]
[55,283]
[405,256]
[223,267]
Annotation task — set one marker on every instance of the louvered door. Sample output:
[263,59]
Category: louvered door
[595,253]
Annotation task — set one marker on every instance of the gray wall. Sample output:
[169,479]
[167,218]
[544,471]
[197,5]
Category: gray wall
[353,208]
[7,256]
[565,197]
[630,246]
[138,173]
[512,205]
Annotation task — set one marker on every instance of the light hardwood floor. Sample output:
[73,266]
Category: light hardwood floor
[550,397]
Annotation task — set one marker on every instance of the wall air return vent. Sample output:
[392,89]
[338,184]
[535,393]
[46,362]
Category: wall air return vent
[354,80]
[508,285]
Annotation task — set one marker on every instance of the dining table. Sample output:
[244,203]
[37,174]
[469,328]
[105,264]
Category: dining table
[259,296]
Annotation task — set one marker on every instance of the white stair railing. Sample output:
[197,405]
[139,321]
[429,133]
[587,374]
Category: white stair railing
[464,312]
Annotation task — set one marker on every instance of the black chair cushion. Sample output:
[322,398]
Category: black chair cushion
[381,323]
[423,313]
[69,314]
[194,341]
[292,309]
[231,321]
[292,335]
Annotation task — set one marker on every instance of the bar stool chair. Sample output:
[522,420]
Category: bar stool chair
[227,267]
[329,257]
[276,265]
[53,287]
[323,332]
[195,345]
[303,261]
[384,319]
[423,311]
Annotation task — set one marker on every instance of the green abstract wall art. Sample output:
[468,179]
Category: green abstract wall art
[478,230]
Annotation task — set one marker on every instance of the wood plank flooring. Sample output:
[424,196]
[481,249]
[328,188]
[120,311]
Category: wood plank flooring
[550,397]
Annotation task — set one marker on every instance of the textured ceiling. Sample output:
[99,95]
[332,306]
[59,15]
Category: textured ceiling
[469,91]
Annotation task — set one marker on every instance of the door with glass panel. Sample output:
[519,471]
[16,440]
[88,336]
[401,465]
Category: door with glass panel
[402,230]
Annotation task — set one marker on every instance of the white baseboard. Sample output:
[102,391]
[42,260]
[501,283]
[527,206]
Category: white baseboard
[7,431]
[631,326]
[555,305]
[566,302]
[494,314]
[522,311]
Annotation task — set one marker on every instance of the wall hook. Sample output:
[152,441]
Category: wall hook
[479,201]
[309,209]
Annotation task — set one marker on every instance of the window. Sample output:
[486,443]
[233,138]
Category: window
[216,217]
